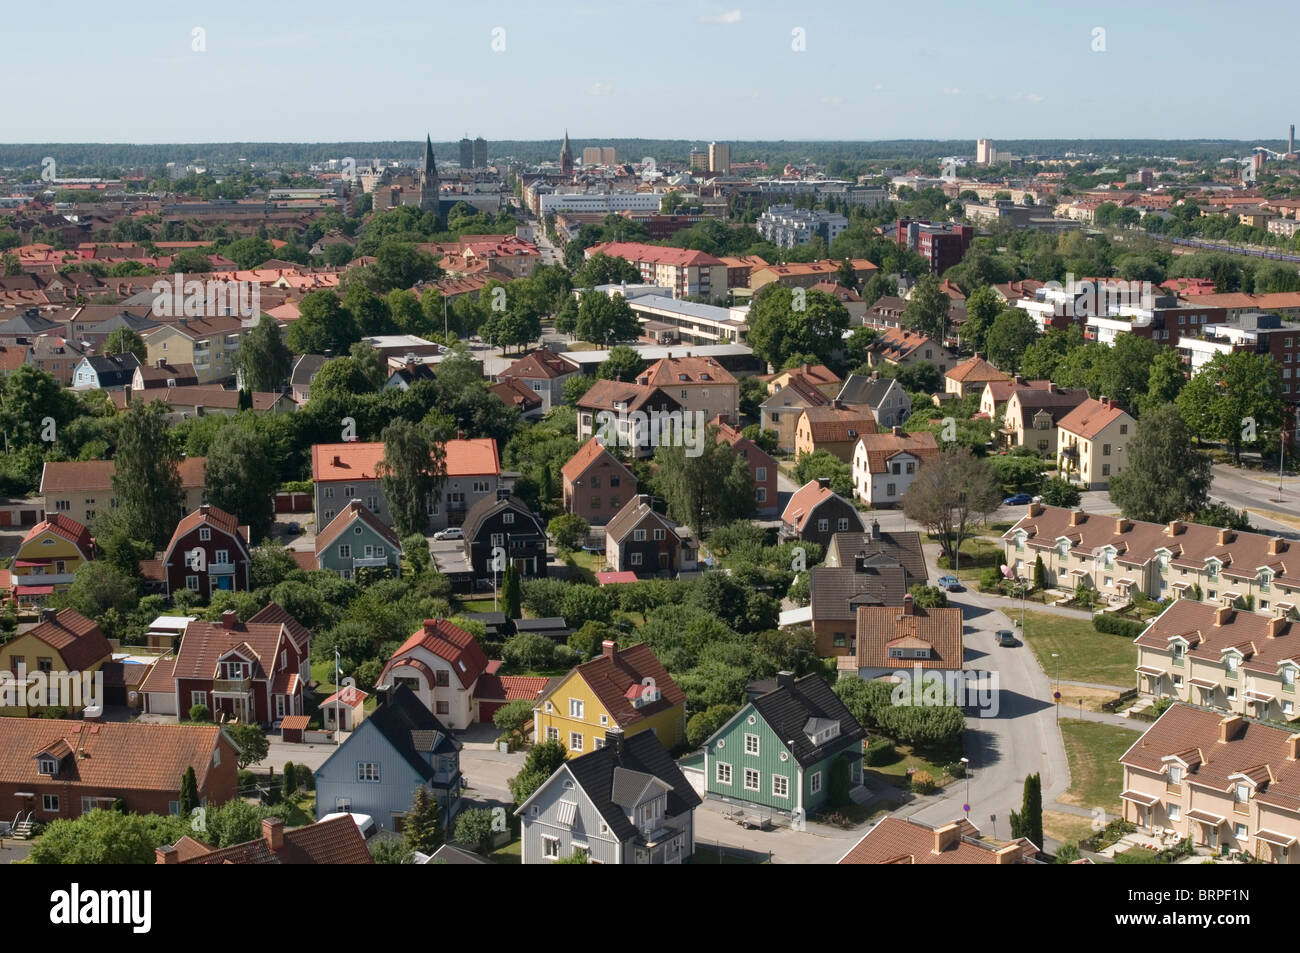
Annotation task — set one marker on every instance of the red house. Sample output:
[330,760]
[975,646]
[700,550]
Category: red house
[246,670]
[596,484]
[207,553]
[761,466]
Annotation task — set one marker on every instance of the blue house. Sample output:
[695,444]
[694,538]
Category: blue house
[358,539]
[400,747]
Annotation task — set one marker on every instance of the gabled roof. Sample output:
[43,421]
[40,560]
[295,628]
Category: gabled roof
[514,394]
[669,372]
[64,526]
[831,424]
[798,392]
[336,840]
[489,506]
[207,643]
[78,640]
[541,364]
[354,511]
[1209,630]
[880,448]
[805,500]
[340,462]
[611,678]
[153,376]
[599,772]
[880,627]
[305,368]
[588,454]
[868,391]
[976,370]
[901,547]
[836,592]
[449,642]
[787,711]
[1091,417]
[412,730]
[213,517]
[113,370]
[273,614]
[634,511]
[617,395]
[900,840]
[659,254]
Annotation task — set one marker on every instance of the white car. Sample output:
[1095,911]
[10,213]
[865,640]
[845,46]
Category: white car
[451,532]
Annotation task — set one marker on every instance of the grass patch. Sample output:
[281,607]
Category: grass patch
[1066,828]
[1086,655]
[714,854]
[583,566]
[977,555]
[512,853]
[1096,776]
[907,758]
[477,605]
[322,672]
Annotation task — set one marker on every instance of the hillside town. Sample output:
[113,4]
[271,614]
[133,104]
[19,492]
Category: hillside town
[648,502]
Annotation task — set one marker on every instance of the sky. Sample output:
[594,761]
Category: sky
[284,70]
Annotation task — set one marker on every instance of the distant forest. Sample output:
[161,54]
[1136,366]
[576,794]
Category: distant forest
[225,155]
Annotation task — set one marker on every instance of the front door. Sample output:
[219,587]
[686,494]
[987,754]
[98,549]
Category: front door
[1211,835]
[225,582]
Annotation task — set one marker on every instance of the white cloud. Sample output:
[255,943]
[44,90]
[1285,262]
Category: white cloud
[601,89]
[729,17]
[951,91]
[1035,97]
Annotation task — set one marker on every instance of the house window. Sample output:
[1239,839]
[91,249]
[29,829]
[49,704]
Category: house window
[575,708]
[638,536]
[1239,831]
[780,785]
[345,551]
[815,782]
[751,779]
[891,489]
[1175,812]
[823,525]
[368,771]
[1175,773]
[751,744]
[444,708]
[192,583]
[760,474]
[205,534]
[507,518]
[442,678]
[551,847]
[575,741]
[723,773]
[552,734]
[198,698]
[223,557]
[46,765]
[661,534]
[634,559]
[760,494]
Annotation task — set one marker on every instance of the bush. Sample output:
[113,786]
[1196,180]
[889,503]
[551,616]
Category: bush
[923,782]
[200,713]
[1111,624]
[879,751]
[702,724]
[928,597]
[529,651]
[1058,492]
[1067,853]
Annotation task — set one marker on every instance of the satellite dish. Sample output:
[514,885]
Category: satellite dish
[132,696]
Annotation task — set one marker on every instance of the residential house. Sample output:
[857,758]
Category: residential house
[888,400]
[516,394]
[544,372]
[776,756]
[701,385]
[971,376]
[1226,782]
[80,489]
[762,467]
[209,344]
[892,640]
[1118,557]
[904,348]
[111,372]
[814,514]
[886,464]
[64,642]
[249,671]
[337,840]
[901,840]
[834,427]
[185,403]
[504,527]
[52,769]
[402,746]
[642,541]
[305,369]
[1223,658]
[48,558]
[782,411]
[836,593]
[808,274]
[818,375]
[440,663]
[357,539]
[901,547]
[626,689]
[208,552]
[409,373]
[596,484]
[627,415]
[343,710]
[1091,440]
[1032,413]
[626,802]
[159,374]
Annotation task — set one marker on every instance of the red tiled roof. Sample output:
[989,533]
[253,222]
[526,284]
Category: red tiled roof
[897,840]
[1090,418]
[355,510]
[610,678]
[880,448]
[77,475]
[541,364]
[883,627]
[66,527]
[587,454]
[448,642]
[78,640]
[658,254]
[332,462]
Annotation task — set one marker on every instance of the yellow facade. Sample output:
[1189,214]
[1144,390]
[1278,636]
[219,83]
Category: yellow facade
[59,557]
[36,655]
[558,717]
[212,355]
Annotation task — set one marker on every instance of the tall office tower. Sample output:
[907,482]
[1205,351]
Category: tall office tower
[480,153]
[720,158]
[466,154]
[984,151]
[591,155]
[699,159]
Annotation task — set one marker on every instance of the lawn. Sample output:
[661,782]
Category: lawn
[512,853]
[977,555]
[583,566]
[1086,655]
[907,758]
[477,605]
[1066,828]
[1096,776]
[322,671]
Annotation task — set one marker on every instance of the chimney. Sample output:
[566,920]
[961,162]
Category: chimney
[1006,855]
[1225,537]
[338,461]
[1275,626]
[1229,726]
[896,431]
[168,855]
[609,649]
[1222,615]
[837,404]
[228,619]
[947,836]
[908,607]
[824,483]
[49,615]
[614,739]
[1176,527]
[1122,525]
[1019,379]
[1077,517]
[784,679]
[875,529]
[161,362]
[1034,509]
[1275,546]
[273,832]
[1293,747]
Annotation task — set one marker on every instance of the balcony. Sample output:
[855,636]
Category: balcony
[221,569]
[231,687]
[361,562]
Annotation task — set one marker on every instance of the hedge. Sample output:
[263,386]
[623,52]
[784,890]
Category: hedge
[1111,624]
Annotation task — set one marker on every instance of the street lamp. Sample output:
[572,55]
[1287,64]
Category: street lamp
[966,771]
[1056,675]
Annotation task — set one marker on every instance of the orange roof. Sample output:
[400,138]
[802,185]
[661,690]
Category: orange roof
[880,448]
[672,371]
[976,370]
[803,501]
[1091,418]
[332,462]
[77,475]
[448,642]
[587,454]
[66,527]
[898,840]
[78,640]
[659,254]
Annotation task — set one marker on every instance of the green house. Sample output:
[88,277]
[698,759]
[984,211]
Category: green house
[777,754]
[357,539]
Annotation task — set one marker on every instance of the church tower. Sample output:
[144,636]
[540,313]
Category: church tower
[429,179]
[566,155]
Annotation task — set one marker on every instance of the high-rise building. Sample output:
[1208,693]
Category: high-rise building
[480,153]
[699,159]
[608,156]
[983,150]
[566,154]
[591,155]
[466,154]
[720,158]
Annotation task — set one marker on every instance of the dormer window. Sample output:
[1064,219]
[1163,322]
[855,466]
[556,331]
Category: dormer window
[47,765]
[1175,774]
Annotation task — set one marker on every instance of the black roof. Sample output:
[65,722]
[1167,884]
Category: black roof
[838,591]
[901,548]
[787,710]
[114,370]
[642,752]
[489,506]
[412,729]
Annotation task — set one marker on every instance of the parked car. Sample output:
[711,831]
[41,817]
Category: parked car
[951,583]
[1006,638]
[451,532]
[293,529]
[1020,499]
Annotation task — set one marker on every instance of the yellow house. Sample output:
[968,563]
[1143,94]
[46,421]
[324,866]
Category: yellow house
[51,552]
[64,643]
[207,343]
[1091,442]
[626,688]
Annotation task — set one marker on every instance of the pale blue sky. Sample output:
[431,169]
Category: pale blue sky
[333,71]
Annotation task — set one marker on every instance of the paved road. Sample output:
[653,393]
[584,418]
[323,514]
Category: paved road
[1255,490]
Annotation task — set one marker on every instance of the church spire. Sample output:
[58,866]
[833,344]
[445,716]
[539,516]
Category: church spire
[430,167]
[566,154]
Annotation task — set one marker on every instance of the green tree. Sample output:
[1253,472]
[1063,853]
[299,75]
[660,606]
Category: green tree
[951,493]
[1164,381]
[263,360]
[568,530]
[251,741]
[323,325]
[242,477]
[107,837]
[146,479]
[784,322]
[1029,822]
[189,796]
[1011,333]
[623,364]
[413,469]
[290,776]
[983,305]
[541,763]
[423,826]
[99,587]
[602,269]
[1235,398]
[529,652]
[126,341]
[707,490]
[605,319]
[514,718]
[927,308]
[1165,478]
[703,724]
[512,592]
[1058,492]
[475,827]
[29,400]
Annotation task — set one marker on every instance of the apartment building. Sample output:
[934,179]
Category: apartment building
[786,226]
[209,344]
[1032,412]
[902,347]
[80,489]
[700,384]
[971,375]
[1222,780]
[834,427]
[1091,442]
[686,272]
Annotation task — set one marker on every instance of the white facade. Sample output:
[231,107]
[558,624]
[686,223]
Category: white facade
[888,486]
[606,202]
[451,702]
